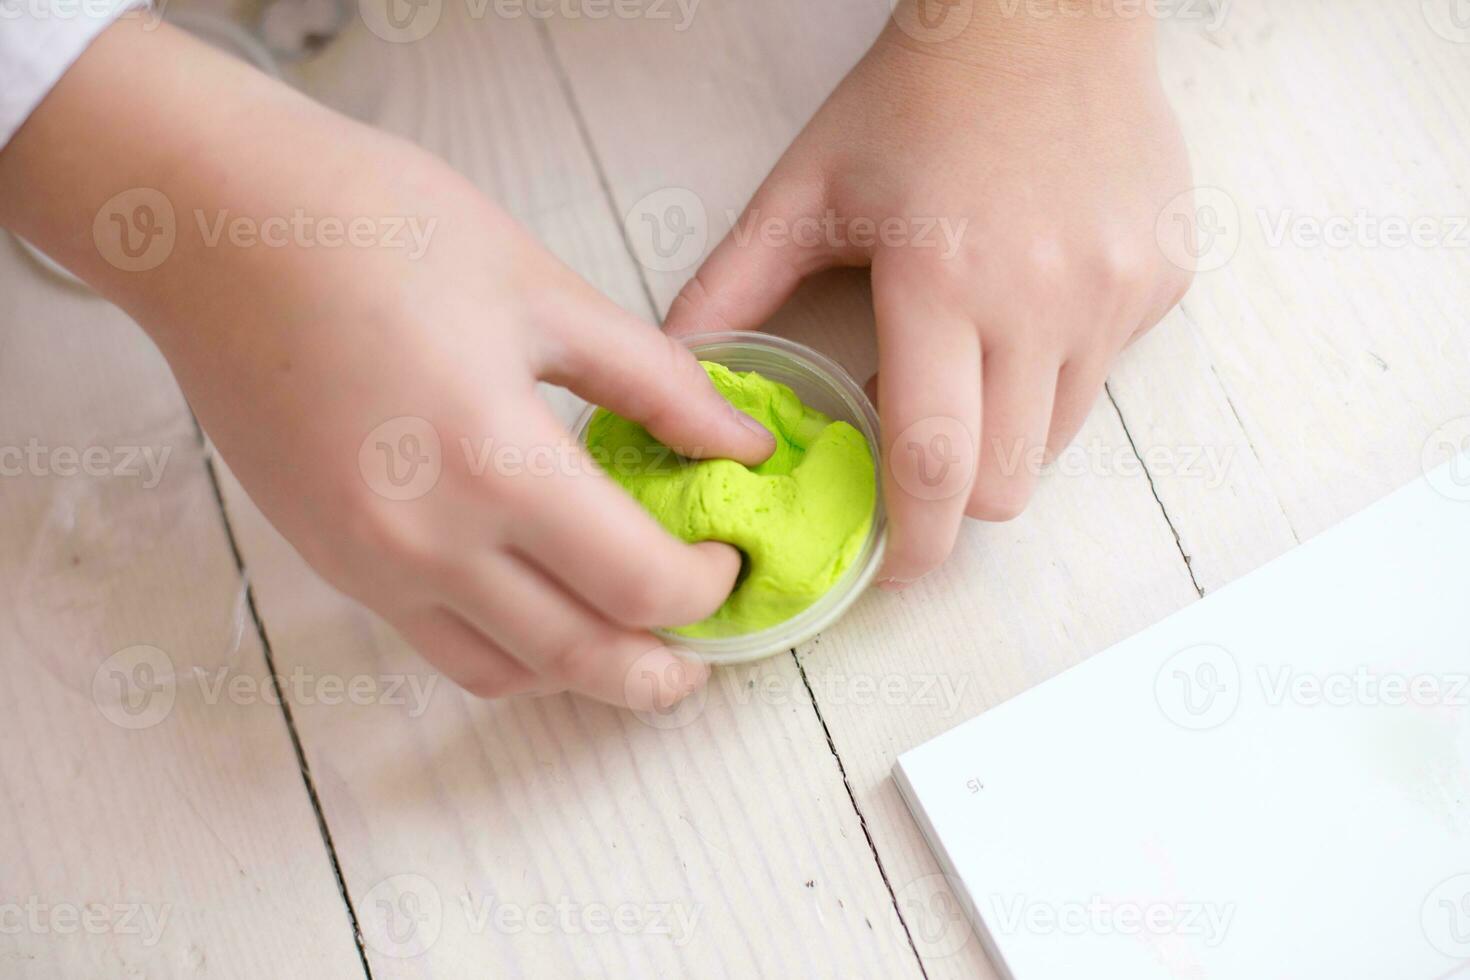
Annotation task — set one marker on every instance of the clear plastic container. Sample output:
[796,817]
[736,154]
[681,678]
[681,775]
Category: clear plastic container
[823,384]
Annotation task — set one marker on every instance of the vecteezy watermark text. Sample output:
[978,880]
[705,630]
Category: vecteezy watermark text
[832,231]
[1210,13]
[404,914]
[35,917]
[1206,921]
[1363,229]
[407,21]
[1201,686]
[137,687]
[137,230]
[40,460]
[408,233]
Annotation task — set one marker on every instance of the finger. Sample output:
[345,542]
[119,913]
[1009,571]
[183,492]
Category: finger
[1079,383]
[466,656]
[1020,386]
[562,640]
[929,362]
[599,542]
[777,242]
[641,374]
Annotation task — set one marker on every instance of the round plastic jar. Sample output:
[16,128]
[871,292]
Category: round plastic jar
[823,384]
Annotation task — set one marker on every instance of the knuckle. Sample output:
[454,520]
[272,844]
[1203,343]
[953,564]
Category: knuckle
[573,662]
[639,602]
[379,529]
[400,540]
[953,281]
[1120,267]
[687,306]
[673,375]
[1044,262]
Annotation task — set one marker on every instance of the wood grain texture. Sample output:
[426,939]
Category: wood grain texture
[150,824]
[1198,396]
[1092,561]
[757,832]
[555,837]
[1336,361]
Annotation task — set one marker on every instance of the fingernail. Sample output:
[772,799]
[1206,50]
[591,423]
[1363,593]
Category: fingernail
[893,585]
[751,424]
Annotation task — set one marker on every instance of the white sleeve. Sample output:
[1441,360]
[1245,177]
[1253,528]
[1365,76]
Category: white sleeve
[39,40]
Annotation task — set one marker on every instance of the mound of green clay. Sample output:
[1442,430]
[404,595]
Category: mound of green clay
[799,518]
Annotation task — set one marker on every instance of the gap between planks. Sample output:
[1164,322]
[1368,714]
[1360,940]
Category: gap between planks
[585,134]
[283,703]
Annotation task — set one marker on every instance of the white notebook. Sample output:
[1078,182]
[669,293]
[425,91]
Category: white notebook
[1272,783]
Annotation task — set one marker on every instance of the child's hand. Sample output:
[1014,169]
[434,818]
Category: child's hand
[379,404]
[1005,186]
[336,390]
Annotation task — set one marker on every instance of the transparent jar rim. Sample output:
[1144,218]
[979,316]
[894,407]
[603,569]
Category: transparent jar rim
[835,602]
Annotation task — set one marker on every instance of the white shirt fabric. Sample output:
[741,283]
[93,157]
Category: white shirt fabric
[39,41]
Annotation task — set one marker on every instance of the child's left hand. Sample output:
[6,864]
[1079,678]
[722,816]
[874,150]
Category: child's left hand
[1005,188]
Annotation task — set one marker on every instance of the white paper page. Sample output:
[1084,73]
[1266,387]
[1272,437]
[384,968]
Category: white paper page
[1273,782]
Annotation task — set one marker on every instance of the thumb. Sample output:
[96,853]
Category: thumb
[776,243]
[644,375]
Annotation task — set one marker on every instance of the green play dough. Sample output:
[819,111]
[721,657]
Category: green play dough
[799,518]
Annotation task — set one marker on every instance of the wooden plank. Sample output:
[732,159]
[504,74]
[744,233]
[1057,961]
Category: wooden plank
[1093,559]
[1243,450]
[1321,371]
[556,837]
[150,824]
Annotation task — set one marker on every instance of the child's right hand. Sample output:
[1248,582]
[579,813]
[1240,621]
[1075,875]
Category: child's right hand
[336,386]
[327,374]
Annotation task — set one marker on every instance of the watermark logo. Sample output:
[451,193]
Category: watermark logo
[135,230]
[401,21]
[942,694]
[835,232]
[1445,916]
[138,688]
[1362,687]
[409,234]
[566,916]
[37,459]
[934,458]
[1452,441]
[402,458]
[936,920]
[135,688]
[1363,230]
[1199,230]
[1199,687]
[654,673]
[1097,916]
[1208,464]
[932,21]
[402,916]
[1450,19]
[91,10]
[33,916]
[668,229]
[302,687]
[1209,13]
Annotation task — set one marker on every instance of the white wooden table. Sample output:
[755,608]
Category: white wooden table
[381,822]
